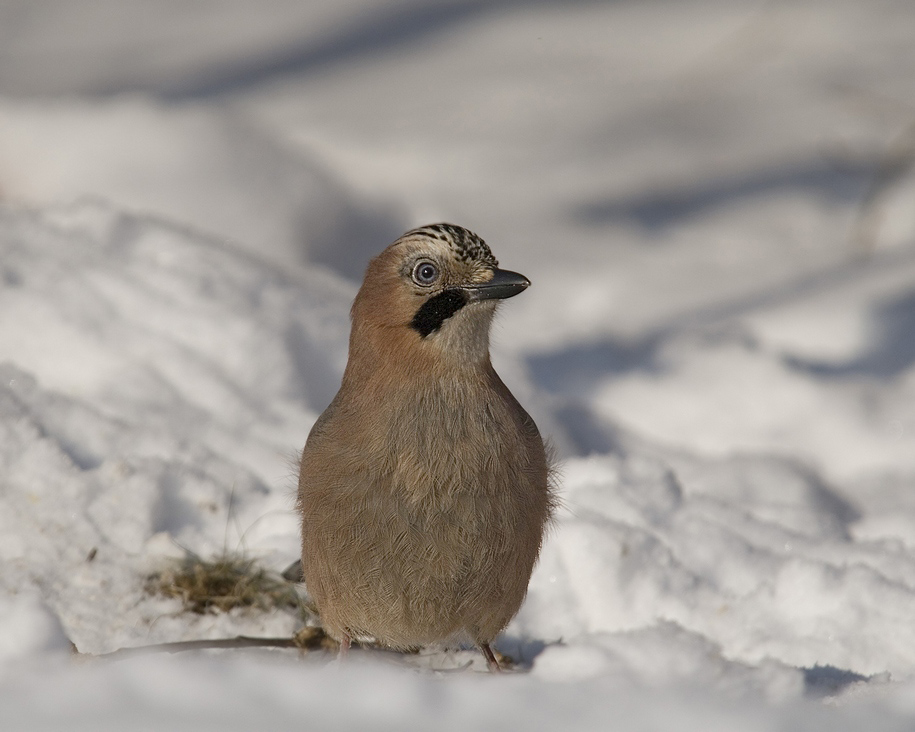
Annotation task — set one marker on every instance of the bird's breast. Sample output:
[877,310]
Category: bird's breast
[452,439]
[454,450]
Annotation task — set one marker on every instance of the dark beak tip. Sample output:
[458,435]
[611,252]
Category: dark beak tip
[514,282]
[504,284]
[506,275]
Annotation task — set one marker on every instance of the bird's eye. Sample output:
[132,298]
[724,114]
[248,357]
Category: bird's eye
[425,273]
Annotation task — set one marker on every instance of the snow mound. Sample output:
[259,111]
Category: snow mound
[154,387]
[752,554]
[30,631]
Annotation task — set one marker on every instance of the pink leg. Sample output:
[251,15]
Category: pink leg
[344,647]
[490,658]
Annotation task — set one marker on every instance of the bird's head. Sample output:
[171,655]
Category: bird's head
[437,287]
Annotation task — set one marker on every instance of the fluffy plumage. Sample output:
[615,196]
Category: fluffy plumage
[424,486]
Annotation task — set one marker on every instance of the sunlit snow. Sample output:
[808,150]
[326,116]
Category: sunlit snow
[714,204]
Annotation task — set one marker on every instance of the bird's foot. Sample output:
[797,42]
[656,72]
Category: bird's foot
[490,658]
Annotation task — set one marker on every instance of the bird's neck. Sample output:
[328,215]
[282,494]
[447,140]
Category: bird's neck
[383,357]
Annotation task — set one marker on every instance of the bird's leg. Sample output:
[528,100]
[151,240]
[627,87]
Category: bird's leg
[344,647]
[490,658]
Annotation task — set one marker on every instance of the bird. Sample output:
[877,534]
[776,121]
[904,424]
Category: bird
[425,488]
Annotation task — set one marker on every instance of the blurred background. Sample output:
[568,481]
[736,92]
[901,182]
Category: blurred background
[715,200]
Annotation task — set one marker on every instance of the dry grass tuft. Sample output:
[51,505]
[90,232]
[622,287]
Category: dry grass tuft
[224,583]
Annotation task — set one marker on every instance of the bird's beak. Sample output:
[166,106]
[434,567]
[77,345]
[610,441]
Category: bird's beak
[503,284]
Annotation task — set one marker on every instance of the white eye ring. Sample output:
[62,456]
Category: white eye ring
[425,273]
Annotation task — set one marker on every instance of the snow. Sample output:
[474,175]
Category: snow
[721,357]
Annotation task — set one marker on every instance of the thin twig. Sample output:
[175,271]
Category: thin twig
[240,641]
[307,639]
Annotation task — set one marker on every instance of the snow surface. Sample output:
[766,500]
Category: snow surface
[714,202]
